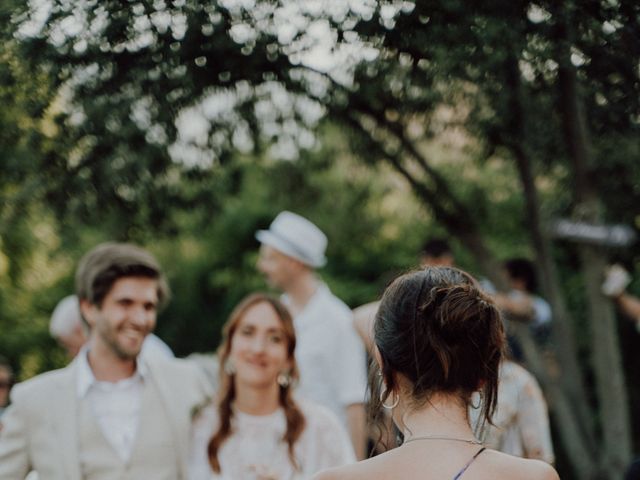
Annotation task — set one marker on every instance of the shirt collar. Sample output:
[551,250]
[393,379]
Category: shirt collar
[85,377]
[321,290]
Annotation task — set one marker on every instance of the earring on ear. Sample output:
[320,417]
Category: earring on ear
[229,367]
[478,396]
[383,393]
[284,379]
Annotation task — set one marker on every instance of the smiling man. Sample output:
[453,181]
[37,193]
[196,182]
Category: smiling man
[71,331]
[111,414]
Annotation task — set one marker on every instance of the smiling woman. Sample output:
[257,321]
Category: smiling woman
[255,428]
[259,352]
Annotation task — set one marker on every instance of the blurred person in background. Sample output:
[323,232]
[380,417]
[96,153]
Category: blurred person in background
[330,356]
[436,252]
[520,424]
[614,286]
[66,326]
[256,427]
[521,302]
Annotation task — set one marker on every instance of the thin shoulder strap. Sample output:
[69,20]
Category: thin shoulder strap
[464,469]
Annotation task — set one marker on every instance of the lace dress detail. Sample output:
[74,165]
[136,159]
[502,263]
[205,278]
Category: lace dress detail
[256,446]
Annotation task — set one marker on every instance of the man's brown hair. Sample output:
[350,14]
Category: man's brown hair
[102,266]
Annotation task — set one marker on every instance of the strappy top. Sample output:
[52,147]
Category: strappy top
[464,469]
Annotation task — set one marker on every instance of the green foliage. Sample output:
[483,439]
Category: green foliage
[213,267]
[210,257]
[91,123]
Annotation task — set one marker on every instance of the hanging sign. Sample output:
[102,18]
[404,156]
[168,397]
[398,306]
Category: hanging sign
[597,234]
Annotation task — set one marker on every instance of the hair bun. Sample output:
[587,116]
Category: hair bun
[437,328]
[457,310]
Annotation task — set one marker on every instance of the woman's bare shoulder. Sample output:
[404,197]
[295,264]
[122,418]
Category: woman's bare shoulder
[501,465]
[342,473]
[492,465]
[368,469]
[330,474]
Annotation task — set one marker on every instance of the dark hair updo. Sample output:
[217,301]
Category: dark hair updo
[436,328]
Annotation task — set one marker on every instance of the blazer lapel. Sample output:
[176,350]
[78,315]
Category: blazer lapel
[64,409]
[173,400]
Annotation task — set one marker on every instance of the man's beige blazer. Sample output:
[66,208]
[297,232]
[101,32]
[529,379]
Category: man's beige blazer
[39,429]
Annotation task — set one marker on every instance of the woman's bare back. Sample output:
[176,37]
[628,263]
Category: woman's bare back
[440,464]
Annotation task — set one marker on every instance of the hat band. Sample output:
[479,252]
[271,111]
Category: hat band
[295,249]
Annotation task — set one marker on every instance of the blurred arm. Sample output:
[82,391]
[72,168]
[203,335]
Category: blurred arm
[533,422]
[356,421]
[519,308]
[630,306]
[363,318]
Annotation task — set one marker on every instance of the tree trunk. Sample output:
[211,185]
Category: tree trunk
[566,398]
[577,426]
[447,208]
[615,453]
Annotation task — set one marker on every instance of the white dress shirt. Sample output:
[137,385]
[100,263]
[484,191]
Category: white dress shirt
[114,405]
[329,353]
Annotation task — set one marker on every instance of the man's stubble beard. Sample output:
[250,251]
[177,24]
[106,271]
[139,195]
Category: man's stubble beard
[108,337]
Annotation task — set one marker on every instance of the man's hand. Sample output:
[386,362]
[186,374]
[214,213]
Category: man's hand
[616,279]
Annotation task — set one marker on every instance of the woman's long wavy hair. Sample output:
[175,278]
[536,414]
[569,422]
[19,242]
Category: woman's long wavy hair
[441,332]
[294,417]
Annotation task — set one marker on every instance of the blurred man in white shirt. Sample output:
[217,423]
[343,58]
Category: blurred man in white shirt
[330,355]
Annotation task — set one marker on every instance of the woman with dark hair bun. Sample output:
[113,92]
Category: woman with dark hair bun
[255,429]
[438,339]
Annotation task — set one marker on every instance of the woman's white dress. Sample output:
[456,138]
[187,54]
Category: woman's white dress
[256,447]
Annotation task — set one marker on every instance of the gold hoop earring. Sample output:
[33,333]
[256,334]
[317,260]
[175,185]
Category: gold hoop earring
[383,392]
